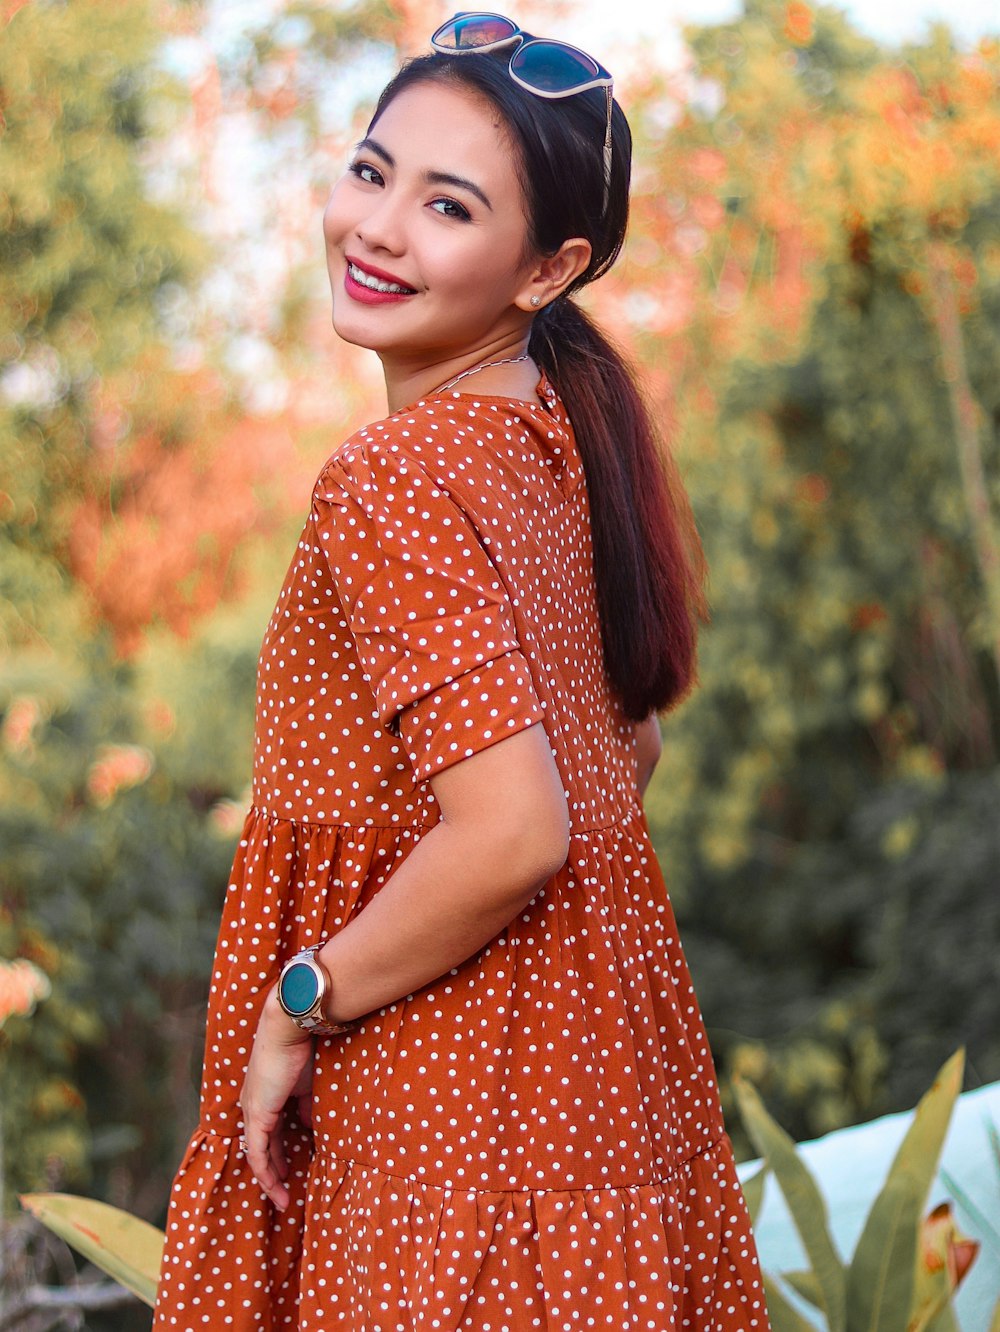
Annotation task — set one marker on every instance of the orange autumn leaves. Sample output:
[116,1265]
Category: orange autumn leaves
[799,24]
[778,159]
[178,481]
[925,148]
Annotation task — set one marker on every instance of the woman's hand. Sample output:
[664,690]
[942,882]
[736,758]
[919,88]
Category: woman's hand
[281,1066]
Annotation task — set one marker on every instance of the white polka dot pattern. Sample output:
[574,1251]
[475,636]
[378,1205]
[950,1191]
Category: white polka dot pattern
[535,1139]
[425,607]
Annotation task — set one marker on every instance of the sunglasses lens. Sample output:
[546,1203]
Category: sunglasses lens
[553,67]
[465,34]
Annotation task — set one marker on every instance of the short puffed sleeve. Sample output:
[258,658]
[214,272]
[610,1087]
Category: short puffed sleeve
[431,619]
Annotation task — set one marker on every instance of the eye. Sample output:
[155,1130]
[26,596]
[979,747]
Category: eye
[451,208]
[366,172]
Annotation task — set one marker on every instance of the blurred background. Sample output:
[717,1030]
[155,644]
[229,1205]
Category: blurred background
[811,290]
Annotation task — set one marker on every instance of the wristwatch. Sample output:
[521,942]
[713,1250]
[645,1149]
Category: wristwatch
[303,987]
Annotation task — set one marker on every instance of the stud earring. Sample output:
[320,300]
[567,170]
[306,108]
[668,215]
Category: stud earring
[536,301]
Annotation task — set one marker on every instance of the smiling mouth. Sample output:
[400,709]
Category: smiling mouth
[364,279]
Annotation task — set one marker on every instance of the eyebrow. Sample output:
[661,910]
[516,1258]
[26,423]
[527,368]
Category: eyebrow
[432,177]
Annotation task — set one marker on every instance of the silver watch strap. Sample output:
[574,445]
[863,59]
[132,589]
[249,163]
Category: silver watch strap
[319,1027]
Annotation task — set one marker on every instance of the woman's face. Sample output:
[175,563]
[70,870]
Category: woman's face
[432,211]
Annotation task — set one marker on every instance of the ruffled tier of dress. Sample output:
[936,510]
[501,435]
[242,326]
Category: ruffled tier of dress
[379,1253]
[534,1141]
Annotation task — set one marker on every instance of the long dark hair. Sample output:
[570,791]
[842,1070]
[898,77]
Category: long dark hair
[648,563]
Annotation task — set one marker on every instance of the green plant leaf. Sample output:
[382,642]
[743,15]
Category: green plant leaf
[806,1285]
[944,1320]
[919,1151]
[753,1192]
[783,1317]
[984,1224]
[881,1283]
[993,1133]
[127,1248]
[805,1202]
[881,1275]
[931,1309]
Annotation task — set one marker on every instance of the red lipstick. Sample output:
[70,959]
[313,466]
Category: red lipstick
[371,295]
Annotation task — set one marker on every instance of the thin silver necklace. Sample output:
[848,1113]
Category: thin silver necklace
[486,365]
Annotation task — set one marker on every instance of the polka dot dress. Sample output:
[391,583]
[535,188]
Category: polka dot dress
[534,1140]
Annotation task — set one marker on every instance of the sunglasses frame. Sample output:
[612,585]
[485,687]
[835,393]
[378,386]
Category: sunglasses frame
[521,40]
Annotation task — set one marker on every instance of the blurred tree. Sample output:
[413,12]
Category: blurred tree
[825,342]
[82,256]
[813,288]
[132,480]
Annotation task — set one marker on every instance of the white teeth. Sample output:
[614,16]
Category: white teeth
[374,283]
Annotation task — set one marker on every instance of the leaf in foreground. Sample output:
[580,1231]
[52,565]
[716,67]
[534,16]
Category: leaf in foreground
[805,1202]
[127,1248]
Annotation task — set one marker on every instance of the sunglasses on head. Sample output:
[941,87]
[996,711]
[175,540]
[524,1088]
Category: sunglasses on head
[544,67]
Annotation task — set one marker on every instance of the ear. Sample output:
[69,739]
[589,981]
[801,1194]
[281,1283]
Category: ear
[553,274]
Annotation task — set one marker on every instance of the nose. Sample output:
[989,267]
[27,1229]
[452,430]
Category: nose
[380,226]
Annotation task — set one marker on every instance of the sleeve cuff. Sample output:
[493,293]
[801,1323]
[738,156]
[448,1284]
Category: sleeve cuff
[477,709]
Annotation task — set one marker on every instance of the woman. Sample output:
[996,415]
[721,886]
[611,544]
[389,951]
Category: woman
[505,1114]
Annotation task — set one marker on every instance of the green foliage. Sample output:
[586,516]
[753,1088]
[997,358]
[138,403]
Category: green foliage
[856,965]
[126,1248]
[753,1192]
[784,1317]
[44,1134]
[83,255]
[83,252]
[822,807]
[121,872]
[126,689]
[805,1203]
[878,1290]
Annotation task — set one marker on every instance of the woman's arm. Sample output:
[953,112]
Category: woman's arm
[504,830]
[648,748]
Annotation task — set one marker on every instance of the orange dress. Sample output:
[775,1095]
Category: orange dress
[534,1140]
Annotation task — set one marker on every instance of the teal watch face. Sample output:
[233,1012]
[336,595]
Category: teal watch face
[299,989]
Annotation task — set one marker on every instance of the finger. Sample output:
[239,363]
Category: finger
[258,1157]
[279,1158]
[272,1187]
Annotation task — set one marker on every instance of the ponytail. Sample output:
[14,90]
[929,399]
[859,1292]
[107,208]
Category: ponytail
[648,562]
